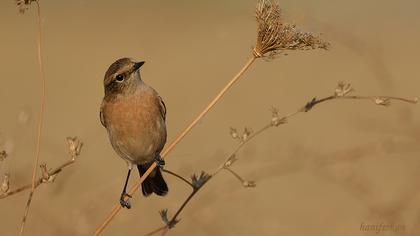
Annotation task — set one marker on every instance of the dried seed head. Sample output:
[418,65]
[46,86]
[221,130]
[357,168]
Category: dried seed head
[274,36]
[199,180]
[3,155]
[230,160]
[275,118]
[5,183]
[245,135]
[308,106]
[44,172]
[46,176]
[24,4]
[164,216]
[74,146]
[234,133]
[343,89]
[249,184]
[383,101]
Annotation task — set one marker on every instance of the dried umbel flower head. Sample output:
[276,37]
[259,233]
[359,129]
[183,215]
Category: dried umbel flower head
[275,36]
[24,4]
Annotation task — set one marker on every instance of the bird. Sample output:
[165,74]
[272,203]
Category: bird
[134,116]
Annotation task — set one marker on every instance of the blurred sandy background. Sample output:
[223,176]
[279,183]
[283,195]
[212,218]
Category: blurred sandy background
[324,173]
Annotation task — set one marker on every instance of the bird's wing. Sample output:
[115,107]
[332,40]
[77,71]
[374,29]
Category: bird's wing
[162,108]
[101,116]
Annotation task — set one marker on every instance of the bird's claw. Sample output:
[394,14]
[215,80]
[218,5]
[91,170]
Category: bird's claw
[159,161]
[125,203]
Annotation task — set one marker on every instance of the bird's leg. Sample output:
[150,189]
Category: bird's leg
[124,193]
[159,161]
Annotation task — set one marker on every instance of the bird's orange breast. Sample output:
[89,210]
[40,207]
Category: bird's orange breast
[135,126]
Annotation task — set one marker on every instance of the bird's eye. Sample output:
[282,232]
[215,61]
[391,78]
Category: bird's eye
[119,77]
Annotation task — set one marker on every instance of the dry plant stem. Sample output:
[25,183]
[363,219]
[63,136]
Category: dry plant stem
[179,177]
[40,121]
[156,231]
[173,220]
[365,98]
[235,174]
[223,166]
[169,148]
[38,182]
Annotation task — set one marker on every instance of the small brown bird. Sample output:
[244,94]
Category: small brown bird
[134,115]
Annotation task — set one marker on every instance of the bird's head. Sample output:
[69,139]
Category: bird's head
[122,76]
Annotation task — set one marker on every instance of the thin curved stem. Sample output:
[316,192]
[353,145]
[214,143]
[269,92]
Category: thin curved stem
[179,177]
[40,120]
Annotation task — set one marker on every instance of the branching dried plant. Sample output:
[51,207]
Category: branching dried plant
[198,181]
[74,146]
[273,38]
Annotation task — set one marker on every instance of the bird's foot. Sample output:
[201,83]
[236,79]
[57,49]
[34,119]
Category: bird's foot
[159,161]
[123,202]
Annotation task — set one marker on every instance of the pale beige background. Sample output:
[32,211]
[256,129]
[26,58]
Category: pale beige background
[324,173]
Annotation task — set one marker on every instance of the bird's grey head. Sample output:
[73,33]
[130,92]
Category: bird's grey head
[122,76]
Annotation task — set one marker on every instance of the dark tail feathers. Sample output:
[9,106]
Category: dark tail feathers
[154,183]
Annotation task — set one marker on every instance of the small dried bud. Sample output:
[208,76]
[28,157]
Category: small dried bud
[46,176]
[231,160]
[383,101]
[3,155]
[234,133]
[5,183]
[249,184]
[44,172]
[275,118]
[310,105]
[343,89]
[74,146]
[23,4]
[164,215]
[247,132]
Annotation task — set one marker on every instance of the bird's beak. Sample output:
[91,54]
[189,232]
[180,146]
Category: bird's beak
[137,65]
